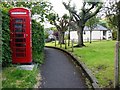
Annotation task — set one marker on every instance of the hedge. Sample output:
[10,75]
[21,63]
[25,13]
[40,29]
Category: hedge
[6,52]
[0,36]
[37,41]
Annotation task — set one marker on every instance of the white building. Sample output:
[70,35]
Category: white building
[98,33]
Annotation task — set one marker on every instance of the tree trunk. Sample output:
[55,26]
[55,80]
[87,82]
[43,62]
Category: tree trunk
[59,37]
[62,37]
[90,36]
[69,38]
[118,34]
[80,37]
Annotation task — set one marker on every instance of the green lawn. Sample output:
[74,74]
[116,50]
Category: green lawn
[99,58]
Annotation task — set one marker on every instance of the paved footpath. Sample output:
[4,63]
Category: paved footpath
[58,71]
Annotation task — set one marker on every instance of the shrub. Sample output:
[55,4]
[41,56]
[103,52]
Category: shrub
[114,34]
[6,54]
[0,36]
[38,41]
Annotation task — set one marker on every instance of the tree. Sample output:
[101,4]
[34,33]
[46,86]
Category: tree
[71,26]
[112,24]
[111,18]
[60,23]
[92,23]
[113,13]
[83,16]
[41,8]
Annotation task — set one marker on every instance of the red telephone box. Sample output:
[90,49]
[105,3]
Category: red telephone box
[20,35]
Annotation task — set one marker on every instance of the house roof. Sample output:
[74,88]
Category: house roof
[97,28]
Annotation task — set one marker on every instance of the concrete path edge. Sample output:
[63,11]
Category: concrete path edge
[87,72]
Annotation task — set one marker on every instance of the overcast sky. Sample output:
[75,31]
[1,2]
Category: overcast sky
[59,7]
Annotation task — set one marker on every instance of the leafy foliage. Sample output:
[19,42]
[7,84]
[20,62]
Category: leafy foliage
[92,23]
[112,11]
[6,54]
[41,9]
[38,41]
[0,36]
[46,34]
[112,24]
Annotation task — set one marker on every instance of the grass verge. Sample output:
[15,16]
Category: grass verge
[38,57]
[13,77]
[99,58]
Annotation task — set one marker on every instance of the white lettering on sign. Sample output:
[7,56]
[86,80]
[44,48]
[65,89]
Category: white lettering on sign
[18,13]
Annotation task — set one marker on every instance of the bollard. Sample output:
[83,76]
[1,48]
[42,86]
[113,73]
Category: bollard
[60,44]
[72,45]
[65,45]
[55,41]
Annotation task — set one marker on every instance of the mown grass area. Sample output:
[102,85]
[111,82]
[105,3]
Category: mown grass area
[13,77]
[99,58]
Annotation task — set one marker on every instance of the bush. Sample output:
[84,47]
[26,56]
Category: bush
[0,37]
[6,54]
[114,34]
[38,41]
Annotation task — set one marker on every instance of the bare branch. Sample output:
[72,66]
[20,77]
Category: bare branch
[72,11]
[83,8]
[57,26]
[90,8]
[97,10]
